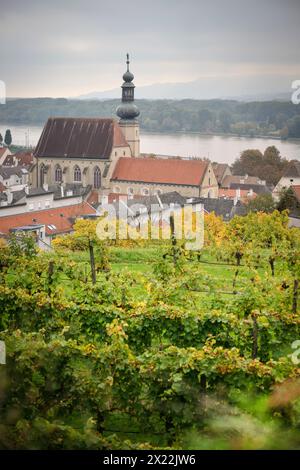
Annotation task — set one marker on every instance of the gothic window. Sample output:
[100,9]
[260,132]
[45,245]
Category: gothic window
[97,178]
[42,174]
[77,174]
[58,174]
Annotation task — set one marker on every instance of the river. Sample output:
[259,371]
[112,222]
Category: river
[217,148]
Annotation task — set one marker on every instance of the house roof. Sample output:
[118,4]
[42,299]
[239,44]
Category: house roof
[8,161]
[3,150]
[79,138]
[165,199]
[157,170]
[239,179]
[257,188]
[56,220]
[7,171]
[231,193]
[24,158]
[293,169]
[224,208]
[219,170]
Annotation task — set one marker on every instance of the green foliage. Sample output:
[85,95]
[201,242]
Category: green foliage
[8,138]
[224,116]
[161,359]
[268,166]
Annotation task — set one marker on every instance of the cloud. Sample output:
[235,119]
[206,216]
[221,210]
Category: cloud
[77,45]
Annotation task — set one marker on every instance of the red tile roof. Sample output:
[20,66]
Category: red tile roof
[159,170]
[24,158]
[79,138]
[2,150]
[8,161]
[231,193]
[296,189]
[61,217]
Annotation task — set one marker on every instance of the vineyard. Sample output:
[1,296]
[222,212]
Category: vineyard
[141,345]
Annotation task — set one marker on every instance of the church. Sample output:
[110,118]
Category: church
[104,154]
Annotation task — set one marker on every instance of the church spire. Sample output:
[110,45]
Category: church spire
[128,110]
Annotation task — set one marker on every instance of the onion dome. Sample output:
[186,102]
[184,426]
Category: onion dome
[128,110]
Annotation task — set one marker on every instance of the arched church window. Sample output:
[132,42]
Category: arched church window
[97,178]
[58,174]
[77,174]
[42,174]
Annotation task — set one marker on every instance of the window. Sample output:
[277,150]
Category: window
[208,181]
[117,189]
[124,153]
[58,174]
[97,178]
[77,174]
[130,191]
[145,191]
[42,174]
[158,191]
[116,154]
[47,203]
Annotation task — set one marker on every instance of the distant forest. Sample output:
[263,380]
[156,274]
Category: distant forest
[272,118]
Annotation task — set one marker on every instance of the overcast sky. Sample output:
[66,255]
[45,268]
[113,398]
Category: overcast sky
[72,47]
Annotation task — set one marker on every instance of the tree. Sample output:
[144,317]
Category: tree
[225,121]
[8,138]
[267,166]
[248,162]
[288,201]
[262,203]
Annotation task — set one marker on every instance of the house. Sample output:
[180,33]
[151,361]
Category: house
[14,177]
[246,183]
[291,177]
[4,152]
[34,199]
[243,195]
[148,176]
[46,223]
[225,208]
[221,170]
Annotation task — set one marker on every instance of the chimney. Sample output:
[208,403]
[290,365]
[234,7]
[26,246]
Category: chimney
[237,196]
[9,195]
[45,187]
[250,192]
[104,200]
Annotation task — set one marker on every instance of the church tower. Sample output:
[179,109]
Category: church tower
[128,113]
